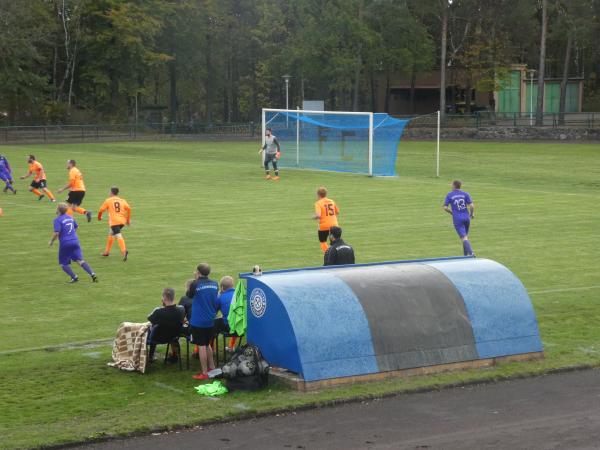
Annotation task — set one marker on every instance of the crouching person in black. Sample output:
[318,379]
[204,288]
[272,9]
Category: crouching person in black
[339,253]
[167,323]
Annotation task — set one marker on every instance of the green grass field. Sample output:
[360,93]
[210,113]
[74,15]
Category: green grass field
[206,201]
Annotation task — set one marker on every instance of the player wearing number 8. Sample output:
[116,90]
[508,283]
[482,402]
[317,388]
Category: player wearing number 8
[326,212]
[119,215]
[459,205]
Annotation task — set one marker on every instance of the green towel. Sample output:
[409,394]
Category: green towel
[237,312]
[211,389]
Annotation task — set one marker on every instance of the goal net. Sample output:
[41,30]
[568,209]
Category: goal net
[358,142]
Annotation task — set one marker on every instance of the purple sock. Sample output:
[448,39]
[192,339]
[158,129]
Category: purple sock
[69,271]
[85,266]
[467,248]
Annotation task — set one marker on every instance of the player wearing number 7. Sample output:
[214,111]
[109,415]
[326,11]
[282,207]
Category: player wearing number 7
[462,211]
[119,215]
[326,212]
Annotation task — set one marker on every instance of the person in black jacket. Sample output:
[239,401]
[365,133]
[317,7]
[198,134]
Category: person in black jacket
[339,253]
[168,321]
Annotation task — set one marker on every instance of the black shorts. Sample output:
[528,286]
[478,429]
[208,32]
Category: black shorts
[323,235]
[270,158]
[221,327]
[116,229]
[75,197]
[38,184]
[202,336]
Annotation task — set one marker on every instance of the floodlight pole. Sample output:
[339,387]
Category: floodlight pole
[287,77]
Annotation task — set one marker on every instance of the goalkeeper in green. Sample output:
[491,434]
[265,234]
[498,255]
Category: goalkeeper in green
[272,152]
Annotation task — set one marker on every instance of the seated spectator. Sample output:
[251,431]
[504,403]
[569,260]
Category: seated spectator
[224,304]
[186,302]
[339,253]
[166,323]
[204,292]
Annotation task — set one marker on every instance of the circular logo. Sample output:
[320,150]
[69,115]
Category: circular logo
[258,303]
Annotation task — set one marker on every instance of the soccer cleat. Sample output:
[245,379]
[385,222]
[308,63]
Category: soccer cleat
[88,214]
[105,254]
[200,376]
[276,178]
[40,197]
[52,200]
[268,177]
[94,278]
[125,255]
[73,280]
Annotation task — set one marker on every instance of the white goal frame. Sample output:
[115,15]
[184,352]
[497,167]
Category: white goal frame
[301,111]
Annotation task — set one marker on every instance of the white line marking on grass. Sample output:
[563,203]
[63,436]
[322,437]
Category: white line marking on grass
[550,291]
[210,233]
[65,346]
[168,387]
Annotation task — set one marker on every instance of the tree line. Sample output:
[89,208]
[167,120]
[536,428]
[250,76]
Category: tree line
[209,61]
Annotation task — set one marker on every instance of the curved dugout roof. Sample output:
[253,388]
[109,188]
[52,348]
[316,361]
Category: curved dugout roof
[357,320]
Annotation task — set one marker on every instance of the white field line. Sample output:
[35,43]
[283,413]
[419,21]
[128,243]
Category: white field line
[573,289]
[210,233]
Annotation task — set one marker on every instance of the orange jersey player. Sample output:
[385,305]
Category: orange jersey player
[326,212]
[119,215]
[39,179]
[76,189]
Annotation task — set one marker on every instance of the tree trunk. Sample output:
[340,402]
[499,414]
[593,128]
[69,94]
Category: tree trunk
[413,81]
[173,90]
[539,117]
[386,106]
[468,97]
[443,60]
[356,82]
[208,83]
[565,80]
[373,92]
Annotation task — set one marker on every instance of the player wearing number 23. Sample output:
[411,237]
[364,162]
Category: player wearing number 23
[458,203]
[119,215]
[326,212]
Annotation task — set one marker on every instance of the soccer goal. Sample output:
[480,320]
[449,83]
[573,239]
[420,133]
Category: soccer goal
[358,142]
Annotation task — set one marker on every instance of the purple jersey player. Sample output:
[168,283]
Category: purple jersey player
[6,175]
[459,205]
[65,230]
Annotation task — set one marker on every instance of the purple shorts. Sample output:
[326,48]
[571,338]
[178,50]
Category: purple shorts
[462,226]
[69,251]
[5,176]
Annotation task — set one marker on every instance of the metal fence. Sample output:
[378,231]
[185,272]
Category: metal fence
[88,133]
[85,133]
[485,119]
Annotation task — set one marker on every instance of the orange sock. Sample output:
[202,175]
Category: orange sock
[79,210]
[36,192]
[324,246]
[109,244]
[49,194]
[232,341]
[121,243]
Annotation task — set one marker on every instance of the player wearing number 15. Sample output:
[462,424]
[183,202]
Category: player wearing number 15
[459,205]
[326,212]
[119,215]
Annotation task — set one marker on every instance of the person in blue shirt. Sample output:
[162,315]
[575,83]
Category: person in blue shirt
[203,291]
[459,205]
[65,230]
[224,304]
[6,175]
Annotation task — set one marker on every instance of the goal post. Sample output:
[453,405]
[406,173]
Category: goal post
[343,141]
